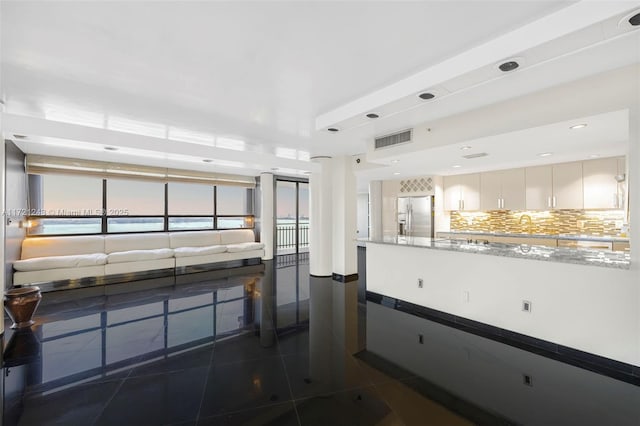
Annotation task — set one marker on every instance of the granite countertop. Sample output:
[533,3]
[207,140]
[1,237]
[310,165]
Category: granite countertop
[581,256]
[556,236]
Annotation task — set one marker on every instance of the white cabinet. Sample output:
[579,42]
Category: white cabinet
[462,192]
[601,189]
[558,186]
[502,190]
[539,187]
[567,186]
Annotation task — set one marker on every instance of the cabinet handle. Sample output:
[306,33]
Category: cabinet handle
[499,206]
[462,204]
[502,200]
[554,201]
[549,202]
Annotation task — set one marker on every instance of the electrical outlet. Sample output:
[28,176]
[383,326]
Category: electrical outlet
[526,306]
[420,339]
[420,283]
[527,380]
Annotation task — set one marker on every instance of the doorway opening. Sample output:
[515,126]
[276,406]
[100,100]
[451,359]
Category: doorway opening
[292,216]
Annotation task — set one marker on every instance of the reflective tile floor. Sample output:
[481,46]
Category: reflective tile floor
[283,348]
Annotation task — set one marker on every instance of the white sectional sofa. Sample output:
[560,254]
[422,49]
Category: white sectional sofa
[45,259]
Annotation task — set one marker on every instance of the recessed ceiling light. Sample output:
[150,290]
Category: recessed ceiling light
[206,160]
[110,148]
[635,20]
[594,156]
[396,173]
[456,166]
[333,129]
[545,154]
[464,148]
[578,126]
[508,66]
[372,115]
[426,96]
[395,161]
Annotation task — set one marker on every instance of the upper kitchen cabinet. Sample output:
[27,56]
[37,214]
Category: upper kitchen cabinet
[502,190]
[539,187]
[601,189]
[567,186]
[558,186]
[462,192]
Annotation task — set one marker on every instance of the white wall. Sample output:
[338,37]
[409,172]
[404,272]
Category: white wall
[593,309]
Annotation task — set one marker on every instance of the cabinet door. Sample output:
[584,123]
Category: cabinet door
[490,190]
[538,181]
[567,186]
[600,185]
[513,189]
[470,191]
[451,186]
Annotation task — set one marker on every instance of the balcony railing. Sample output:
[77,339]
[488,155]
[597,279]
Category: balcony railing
[286,236]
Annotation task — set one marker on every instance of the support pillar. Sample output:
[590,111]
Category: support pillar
[320,219]
[4,216]
[344,205]
[267,214]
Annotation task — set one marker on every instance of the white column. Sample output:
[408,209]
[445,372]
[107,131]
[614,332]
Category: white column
[4,217]
[375,209]
[344,207]
[633,182]
[320,220]
[266,214]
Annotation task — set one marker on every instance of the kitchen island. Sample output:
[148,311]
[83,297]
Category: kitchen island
[582,256]
[582,299]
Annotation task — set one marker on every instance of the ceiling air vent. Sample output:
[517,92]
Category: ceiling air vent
[478,155]
[394,139]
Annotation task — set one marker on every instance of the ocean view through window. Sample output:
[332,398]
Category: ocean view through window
[109,205]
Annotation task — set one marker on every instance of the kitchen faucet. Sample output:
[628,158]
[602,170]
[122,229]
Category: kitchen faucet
[528,220]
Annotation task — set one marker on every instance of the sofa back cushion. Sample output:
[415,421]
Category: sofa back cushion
[61,246]
[194,239]
[235,236]
[128,242]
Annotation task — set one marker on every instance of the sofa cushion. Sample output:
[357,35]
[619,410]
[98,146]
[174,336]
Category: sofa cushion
[237,248]
[198,251]
[138,255]
[235,236]
[194,239]
[61,246]
[128,242]
[59,262]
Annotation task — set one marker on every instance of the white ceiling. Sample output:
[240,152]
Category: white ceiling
[247,82]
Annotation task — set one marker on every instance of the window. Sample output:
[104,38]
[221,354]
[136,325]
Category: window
[135,198]
[233,200]
[65,195]
[191,205]
[130,199]
[70,204]
[190,199]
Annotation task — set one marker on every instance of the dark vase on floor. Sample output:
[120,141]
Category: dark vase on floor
[20,304]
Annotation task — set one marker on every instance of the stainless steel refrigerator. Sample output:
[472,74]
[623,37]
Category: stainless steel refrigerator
[415,216]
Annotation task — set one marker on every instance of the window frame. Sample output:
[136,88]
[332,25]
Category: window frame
[166,217]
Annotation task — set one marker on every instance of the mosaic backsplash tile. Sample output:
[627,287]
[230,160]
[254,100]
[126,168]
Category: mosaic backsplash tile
[572,222]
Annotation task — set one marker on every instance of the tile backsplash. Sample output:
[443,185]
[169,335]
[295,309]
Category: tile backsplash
[575,222]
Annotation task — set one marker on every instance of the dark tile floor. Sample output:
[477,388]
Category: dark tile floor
[283,348]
